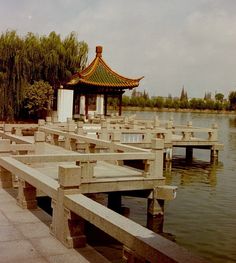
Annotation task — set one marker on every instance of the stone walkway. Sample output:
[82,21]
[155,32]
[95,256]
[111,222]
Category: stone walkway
[25,237]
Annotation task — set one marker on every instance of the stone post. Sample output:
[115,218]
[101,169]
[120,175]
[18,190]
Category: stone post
[156,169]
[70,128]
[73,144]
[156,122]
[155,215]
[54,117]
[55,139]
[103,134]
[79,129]
[155,208]
[7,128]
[134,124]
[26,195]
[49,120]
[87,170]
[39,139]
[5,147]
[148,135]
[66,225]
[189,124]
[212,135]
[189,153]
[5,178]
[41,122]
[186,135]
[18,131]
[148,125]
[214,154]
[169,124]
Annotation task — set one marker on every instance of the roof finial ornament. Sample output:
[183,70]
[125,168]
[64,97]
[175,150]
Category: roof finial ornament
[99,51]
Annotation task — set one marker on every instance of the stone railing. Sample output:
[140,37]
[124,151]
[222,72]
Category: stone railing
[7,148]
[19,128]
[71,209]
[153,162]
[193,133]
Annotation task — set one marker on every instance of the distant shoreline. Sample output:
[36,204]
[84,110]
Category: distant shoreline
[129,108]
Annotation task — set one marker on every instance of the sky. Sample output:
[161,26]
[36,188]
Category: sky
[172,43]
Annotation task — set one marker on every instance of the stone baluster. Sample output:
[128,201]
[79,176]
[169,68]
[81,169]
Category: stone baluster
[39,139]
[186,135]
[26,195]
[156,122]
[5,178]
[41,122]
[5,147]
[66,225]
[48,120]
[79,129]
[154,168]
[18,131]
[7,128]
[213,135]
[55,139]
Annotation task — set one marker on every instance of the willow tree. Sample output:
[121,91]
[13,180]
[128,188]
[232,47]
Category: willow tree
[12,73]
[24,60]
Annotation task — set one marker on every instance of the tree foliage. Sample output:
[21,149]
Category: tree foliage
[38,98]
[24,60]
[232,100]
[140,99]
[219,97]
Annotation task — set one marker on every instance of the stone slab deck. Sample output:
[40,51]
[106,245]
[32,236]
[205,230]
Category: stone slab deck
[101,170]
[25,237]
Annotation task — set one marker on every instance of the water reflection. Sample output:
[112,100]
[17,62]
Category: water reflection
[203,216]
[232,122]
[192,172]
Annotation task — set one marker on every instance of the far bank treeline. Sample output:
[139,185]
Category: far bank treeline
[208,102]
[33,60]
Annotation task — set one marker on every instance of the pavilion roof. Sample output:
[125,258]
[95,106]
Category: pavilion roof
[99,74]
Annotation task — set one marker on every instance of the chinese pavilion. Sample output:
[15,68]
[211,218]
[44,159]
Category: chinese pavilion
[93,85]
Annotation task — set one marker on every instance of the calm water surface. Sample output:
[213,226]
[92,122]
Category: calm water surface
[203,216]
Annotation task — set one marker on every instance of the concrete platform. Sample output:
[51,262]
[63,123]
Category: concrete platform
[25,237]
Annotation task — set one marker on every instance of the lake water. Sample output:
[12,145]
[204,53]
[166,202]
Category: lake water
[203,216]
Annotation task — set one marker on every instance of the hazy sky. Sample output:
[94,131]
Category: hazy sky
[170,42]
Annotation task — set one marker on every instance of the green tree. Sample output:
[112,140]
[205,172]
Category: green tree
[12,73]
[125,101]
[38,99]
[168,102]
[197,103]
[232,100]
[219,97]
[207,96]
[159,102]
[24,60]
[183,95]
